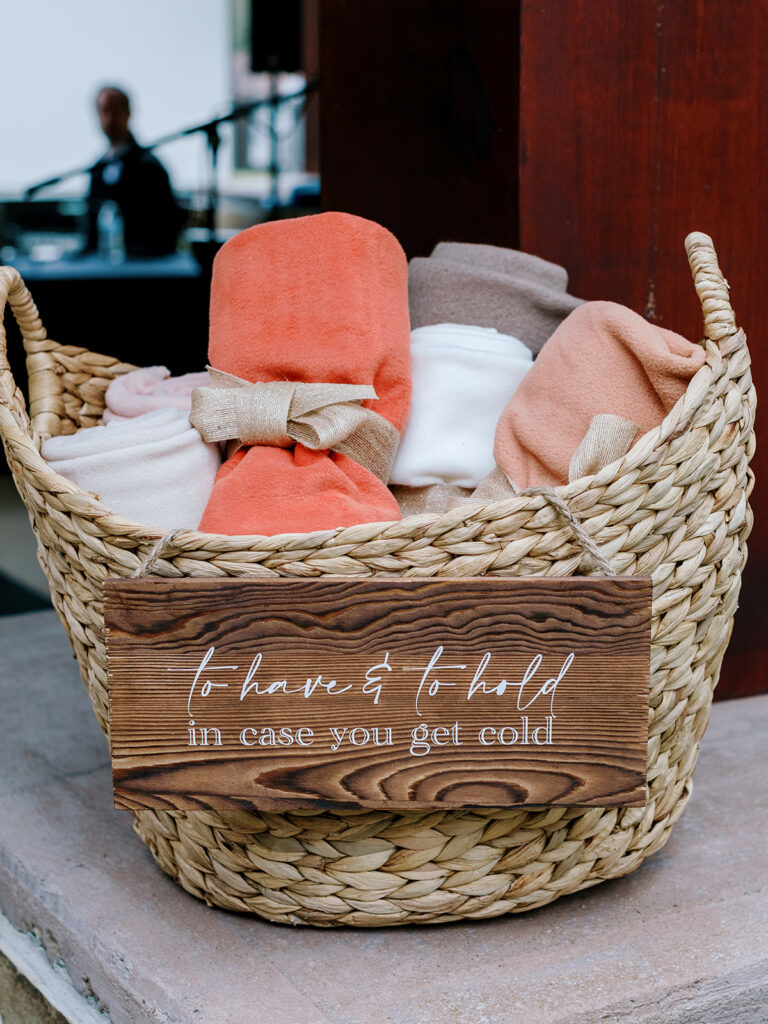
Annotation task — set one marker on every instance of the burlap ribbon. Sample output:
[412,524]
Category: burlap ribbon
[434,498]
[282,413]
[608,438]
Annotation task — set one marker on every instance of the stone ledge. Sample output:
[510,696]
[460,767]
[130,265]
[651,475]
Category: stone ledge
[680,941]
[35,991]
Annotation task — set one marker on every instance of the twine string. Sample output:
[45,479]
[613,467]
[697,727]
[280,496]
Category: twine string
[160,549]
[567,514]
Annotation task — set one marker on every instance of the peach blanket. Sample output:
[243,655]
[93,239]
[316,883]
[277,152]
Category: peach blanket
[603,358]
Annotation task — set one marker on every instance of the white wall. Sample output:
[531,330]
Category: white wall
[171,56]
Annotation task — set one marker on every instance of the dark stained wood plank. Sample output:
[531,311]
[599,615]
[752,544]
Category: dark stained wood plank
[378,693]
[419,108]
[641,121]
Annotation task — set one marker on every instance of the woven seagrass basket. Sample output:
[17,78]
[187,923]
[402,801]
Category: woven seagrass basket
[676,508]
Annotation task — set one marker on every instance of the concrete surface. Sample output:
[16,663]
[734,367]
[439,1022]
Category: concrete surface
[34,990]
[21,1002]
[18,546]
[681,941]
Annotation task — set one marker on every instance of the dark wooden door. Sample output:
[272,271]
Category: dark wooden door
[419,117]
[639,122]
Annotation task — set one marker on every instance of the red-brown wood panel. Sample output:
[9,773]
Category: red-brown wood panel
[639,122]
[419,114]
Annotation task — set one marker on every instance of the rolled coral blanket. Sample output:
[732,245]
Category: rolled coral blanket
[151,387]
[319,299]
[463,376]
[603,359]
[153,469]
[488,286]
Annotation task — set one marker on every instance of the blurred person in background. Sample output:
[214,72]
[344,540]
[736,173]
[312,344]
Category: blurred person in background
[131,177]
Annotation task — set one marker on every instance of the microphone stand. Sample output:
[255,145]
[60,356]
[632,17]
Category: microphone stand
[210,129]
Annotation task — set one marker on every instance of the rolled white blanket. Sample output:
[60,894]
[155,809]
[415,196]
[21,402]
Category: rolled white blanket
[154,469]
[463,377]
[151,387]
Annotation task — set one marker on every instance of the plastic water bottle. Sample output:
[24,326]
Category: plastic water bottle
[111,232]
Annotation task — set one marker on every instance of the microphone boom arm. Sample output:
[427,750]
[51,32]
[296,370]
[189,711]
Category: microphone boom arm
[208,128]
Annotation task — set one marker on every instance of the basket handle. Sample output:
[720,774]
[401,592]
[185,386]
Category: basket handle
[14,293]
[711,287]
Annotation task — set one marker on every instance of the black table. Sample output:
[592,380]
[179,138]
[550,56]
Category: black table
[144,311]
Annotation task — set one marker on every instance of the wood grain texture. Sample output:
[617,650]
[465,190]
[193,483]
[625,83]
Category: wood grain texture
[379,693]
[639,122]
[419,114]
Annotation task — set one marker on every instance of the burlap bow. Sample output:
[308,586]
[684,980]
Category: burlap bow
[608,438]
[281,413]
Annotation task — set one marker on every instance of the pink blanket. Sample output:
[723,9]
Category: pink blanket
[150,388]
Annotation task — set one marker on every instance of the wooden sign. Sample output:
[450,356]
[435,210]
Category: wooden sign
[386,693]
